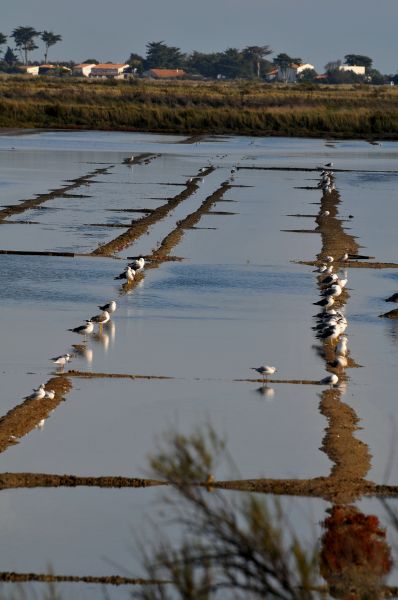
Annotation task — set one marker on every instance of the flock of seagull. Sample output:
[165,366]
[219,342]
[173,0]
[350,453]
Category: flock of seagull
[100,319]
[331,322]
[330,327]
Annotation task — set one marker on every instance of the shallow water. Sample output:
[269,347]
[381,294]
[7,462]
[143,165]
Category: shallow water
[238,299]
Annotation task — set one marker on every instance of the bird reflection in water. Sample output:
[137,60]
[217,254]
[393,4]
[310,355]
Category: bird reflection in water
[84,352]
[265,391]
[102,338]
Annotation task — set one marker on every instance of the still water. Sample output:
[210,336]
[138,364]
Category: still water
[238,298]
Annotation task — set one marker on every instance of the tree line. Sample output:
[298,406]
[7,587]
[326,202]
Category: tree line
[251,62]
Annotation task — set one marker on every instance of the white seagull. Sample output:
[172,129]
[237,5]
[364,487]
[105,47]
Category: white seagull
[138,264]
[101,319]
[330,380]
[333,291]
[341,348]
[62,359]
[110,307]
[127,274]
[39,393]
[265,370]
[84,329]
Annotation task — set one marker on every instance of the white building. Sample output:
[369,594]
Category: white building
[289,74]
[83,70]
[304,67]
[357,69]
[109,70]
[30,70]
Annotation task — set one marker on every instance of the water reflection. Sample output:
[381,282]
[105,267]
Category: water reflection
[355,557]
[266,392]
[101,338]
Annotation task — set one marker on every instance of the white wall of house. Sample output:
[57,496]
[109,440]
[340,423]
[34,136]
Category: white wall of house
[31,70]
[108,70]
[83,70]
[303,67]
[357,69]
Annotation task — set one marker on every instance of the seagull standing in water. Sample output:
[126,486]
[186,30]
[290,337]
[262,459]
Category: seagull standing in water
[325,302]
[138,264]
[333,291]
[101,319]
[330,380]
[84,329]
[62,359]
[110,307]
[39,393]
[127,274]
[341,348]
[265,370]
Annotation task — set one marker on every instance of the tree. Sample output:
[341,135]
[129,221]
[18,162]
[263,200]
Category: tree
[25,40]
[207,65]
[308,75]
[161,56]
[3,39]
[358,59]
[135,61]
[333,65]
[257,54]
[10,58]
[49,38]
[283,61]
[243,546]
[232,64]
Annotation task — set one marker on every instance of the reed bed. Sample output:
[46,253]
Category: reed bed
[359,111]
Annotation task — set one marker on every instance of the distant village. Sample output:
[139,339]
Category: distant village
[164,62]
[288,74]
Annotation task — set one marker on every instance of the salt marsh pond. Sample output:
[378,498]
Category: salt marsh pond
[229,285]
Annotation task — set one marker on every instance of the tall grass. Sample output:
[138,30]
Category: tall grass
[200,107]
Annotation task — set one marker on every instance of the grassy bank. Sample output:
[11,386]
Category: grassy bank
[200,107]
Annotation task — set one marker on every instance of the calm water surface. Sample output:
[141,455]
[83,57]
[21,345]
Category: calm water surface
[238,299]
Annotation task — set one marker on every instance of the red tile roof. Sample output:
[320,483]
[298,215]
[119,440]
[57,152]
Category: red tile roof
[110,66]
[167,72]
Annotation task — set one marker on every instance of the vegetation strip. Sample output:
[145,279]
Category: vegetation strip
[41,480]
[356,264]
[292,381]
[41,198]
[195,108]
[11,576]
[89,375]
[24,417]
[141,226]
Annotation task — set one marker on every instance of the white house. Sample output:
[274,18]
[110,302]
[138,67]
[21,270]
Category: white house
[30,70]
[109,70]
[83,70]
[357,69]
[289,74]
[304,67]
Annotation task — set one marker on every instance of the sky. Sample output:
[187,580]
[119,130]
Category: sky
[317,31]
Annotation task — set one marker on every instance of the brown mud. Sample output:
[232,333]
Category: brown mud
[24,417]
[91,375]
[31,203]
[392,314]
[141,226]
[11,576]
